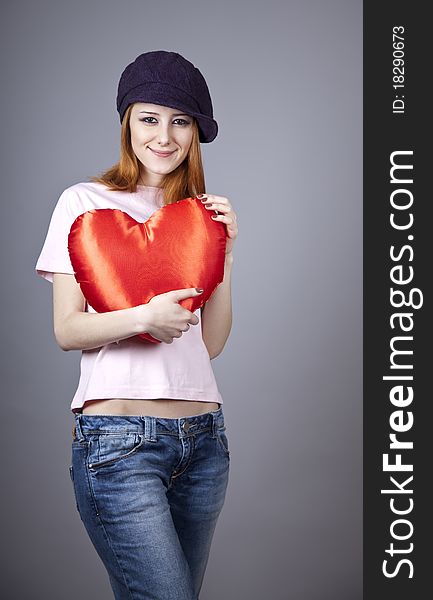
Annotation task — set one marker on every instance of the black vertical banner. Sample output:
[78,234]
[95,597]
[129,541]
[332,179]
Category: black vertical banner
[398,256]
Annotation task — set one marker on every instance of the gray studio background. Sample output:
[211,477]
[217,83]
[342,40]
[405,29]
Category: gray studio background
[286,83]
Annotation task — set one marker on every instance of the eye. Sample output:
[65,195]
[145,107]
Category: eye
[144,120]
[183,122]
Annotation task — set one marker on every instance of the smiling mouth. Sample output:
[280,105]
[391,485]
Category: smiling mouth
[162,154]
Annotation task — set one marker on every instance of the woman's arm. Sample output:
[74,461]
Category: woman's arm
[75,329]
[216,316]
[217,312]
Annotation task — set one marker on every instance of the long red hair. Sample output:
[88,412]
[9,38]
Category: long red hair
[187,180]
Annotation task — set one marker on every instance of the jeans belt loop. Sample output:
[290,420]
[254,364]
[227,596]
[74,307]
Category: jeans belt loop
[149,428]
[214,425]
[77,427]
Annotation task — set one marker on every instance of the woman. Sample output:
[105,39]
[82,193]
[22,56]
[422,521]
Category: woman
[150,456]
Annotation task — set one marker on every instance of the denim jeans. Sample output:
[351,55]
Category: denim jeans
[149,491]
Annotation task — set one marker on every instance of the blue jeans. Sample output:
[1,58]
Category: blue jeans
[149,491]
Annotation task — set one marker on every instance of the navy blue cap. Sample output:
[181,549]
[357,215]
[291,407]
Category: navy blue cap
[168,79]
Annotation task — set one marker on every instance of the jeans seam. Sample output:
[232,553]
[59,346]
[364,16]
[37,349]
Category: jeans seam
[101,523]
[189,460]
[71,474]
[222,444]
[115,556]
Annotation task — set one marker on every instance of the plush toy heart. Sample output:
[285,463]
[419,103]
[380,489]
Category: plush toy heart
[120,263]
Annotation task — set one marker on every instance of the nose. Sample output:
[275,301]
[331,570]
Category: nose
[163,135]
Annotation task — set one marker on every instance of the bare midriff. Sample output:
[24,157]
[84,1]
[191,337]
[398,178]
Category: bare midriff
[159,407]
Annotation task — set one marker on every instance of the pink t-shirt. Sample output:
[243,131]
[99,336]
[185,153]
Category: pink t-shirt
[128,368]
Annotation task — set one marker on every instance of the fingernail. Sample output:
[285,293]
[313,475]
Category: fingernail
[199,290]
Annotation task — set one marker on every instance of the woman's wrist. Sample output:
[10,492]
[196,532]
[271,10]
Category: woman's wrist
[228,260]
[140,318]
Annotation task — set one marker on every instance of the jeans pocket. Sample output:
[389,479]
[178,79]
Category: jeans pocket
[110,448]
[222,439]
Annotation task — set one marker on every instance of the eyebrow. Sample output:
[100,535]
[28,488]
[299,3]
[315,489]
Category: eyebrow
[155,113]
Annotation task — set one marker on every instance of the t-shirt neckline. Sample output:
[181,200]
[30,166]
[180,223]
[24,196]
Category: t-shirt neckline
[152,187]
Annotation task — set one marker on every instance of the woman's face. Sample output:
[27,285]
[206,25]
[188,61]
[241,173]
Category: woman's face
[159,128]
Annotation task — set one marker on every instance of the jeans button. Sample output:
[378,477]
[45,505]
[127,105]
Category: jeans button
[186,426]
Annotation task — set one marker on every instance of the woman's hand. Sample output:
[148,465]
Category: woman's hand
[228,216]
[164,318]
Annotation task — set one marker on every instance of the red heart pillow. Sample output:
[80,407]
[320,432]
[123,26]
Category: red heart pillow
[120,263]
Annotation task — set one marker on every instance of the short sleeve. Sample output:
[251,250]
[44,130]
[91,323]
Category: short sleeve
[54,256]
